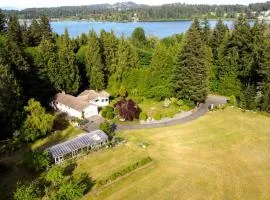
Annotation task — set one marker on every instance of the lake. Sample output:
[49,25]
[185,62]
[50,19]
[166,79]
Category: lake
[159,29]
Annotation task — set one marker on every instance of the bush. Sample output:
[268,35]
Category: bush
[107,128]
[128,109]
[108,112]
[143,116]
[124,171]
[157,116]
[37,160]
[27,192]
[233,101]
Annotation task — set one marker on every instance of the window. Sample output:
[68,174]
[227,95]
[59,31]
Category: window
[102,100]
[96,100]
[106,100]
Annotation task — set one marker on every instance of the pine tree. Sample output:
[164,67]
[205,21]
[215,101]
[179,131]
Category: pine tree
[191,73]
[217,37]
[68,70]
[14,30]
[126,59]
[11,102]
[161,68]
[35,34]
[2,22]
[93,63]
[45,27]
[109,43]
[206,32]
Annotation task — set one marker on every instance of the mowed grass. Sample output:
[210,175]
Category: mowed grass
[223,155]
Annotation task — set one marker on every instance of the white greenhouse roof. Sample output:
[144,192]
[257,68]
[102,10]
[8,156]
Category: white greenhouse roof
[79,142]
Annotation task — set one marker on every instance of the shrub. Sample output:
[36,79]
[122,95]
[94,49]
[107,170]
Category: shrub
[143,116]
[124,171]
[157,116]
[185,108]
[27,192]
[128,109]
[107,128]
[106,110]
[122,92]
[233,100]
[37,160]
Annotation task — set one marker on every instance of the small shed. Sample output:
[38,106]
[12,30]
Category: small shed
[83,142]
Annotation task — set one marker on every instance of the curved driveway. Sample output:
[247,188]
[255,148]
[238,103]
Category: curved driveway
[201,110]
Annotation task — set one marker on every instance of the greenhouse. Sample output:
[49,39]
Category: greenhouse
[82,143]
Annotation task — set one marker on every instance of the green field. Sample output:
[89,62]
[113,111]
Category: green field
[223,155]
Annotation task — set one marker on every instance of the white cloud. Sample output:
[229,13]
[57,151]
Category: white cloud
[53,3]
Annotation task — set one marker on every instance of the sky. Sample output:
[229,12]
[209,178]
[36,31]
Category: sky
[20,4]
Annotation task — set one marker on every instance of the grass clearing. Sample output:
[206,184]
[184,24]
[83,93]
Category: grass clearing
[223,155]
[151,108]
[56,137]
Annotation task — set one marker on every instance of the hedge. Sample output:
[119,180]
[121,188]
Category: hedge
[124,171]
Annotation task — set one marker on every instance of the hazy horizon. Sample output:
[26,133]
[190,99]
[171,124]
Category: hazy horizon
[18,4]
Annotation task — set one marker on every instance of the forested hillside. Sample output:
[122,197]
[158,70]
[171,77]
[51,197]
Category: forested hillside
[127,11]
[37,63]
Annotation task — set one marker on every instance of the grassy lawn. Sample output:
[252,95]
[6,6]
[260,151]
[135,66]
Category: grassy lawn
[223,155]
[151,107]
[56,137]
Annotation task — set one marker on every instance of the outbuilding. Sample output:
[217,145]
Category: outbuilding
[82,143]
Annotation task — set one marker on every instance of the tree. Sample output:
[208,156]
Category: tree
[55,175]
[45,27]
[126,60]
[37,122]
[11,101]
[27,192]
[109,44]
[2,22]
[162,64]
[107,128]
[68,69]
[14,30]
[218,36]
[93,63]
[206,32]
[191,73]
[37,160]
[35,35]
[138,37]
[128,109]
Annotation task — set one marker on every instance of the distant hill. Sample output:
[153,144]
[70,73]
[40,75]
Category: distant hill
[127,11]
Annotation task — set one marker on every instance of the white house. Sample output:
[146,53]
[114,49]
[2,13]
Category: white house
[83,106]
[100,99]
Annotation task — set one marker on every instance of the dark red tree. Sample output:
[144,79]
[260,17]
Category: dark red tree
[128,109]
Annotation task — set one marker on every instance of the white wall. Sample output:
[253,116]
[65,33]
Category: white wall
[68,110]
[90,111]
[100,101]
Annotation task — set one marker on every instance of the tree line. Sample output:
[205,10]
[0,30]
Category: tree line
[144,13]
[37,63]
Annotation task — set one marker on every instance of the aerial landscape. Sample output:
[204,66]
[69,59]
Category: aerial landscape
[134,100]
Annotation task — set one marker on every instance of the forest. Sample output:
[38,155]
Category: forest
[118,12]
[36,63]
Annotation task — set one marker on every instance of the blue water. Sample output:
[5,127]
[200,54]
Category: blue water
[159,29]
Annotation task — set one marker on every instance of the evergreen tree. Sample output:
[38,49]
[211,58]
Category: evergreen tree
[217,37]
[45,27]
[2,22]
[93,63]
[35,33]
[109,43]
[68,70]
[126,59]
[14,30]
[206,31]
[11,101]
[191,73]
[138,37]
[161,68]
